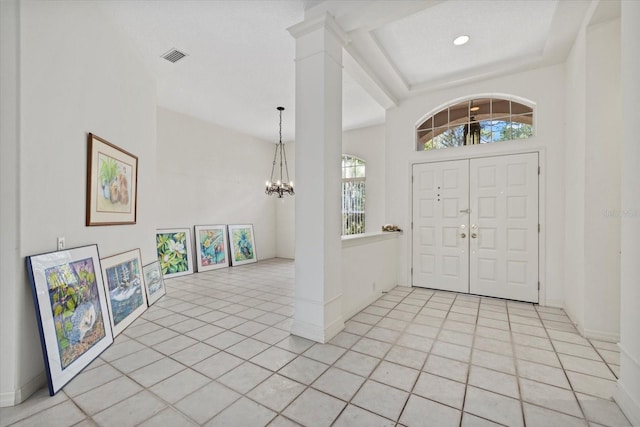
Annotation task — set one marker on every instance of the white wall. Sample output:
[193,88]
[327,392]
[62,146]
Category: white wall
[575,113]
[592,233]
[544,87]
[369,144]
[369,265]
[76,76]
[286,212]
[207,174]
[10,261]
[366,143]
[602,183]
[628,393]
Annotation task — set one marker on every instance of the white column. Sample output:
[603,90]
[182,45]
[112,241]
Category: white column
[628,392]
[318,292]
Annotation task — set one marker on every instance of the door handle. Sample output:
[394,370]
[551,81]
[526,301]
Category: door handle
[474,235]
[465,211]
[463,235]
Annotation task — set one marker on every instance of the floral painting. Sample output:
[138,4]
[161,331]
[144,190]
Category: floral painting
[124,284]
[71,309]
[211,247]
[174,252]
[74,304]
[242,244]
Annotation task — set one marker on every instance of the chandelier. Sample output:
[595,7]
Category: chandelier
[279,187]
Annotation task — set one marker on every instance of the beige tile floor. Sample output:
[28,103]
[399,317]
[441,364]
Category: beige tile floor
[216,351]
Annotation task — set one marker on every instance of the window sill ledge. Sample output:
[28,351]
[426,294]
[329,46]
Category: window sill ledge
[366,238]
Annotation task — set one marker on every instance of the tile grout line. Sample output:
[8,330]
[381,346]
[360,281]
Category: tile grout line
[515,363]
[564,371]
[425,359]
[245,295]
[191,368]
[309,386]
[466,383]
[597,350]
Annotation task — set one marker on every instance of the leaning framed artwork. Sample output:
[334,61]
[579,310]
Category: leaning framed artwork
[242,244]
[153,282]
[211,247]
[174,252]
[112,184]
[71,307]
[124,283]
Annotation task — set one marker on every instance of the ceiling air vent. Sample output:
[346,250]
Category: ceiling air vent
[174,55]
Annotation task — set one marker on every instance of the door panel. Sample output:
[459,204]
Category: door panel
[440,253]
[503,193]
[499,254]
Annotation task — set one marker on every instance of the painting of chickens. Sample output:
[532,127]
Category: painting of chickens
[111,184]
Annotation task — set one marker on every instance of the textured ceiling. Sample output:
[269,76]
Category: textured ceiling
[240,64]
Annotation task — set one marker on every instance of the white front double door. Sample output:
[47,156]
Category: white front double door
[475,226]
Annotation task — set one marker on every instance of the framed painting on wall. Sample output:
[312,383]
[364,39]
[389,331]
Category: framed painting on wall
[71,307]
[153,283]
[112,184]
[242,244]
[174,252]
[124,284]
[212,247]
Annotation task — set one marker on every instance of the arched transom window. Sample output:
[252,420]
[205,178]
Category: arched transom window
[475,121]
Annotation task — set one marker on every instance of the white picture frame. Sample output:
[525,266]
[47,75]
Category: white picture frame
[242,244]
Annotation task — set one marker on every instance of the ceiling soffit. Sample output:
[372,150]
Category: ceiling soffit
[398,49]
[420,46]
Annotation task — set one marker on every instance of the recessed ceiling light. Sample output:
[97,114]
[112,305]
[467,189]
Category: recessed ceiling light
[460,40]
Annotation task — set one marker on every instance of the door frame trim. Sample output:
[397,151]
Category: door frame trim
[460,153]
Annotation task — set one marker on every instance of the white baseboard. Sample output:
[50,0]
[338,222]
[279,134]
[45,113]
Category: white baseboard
[592,333]
[627,393]
[21,394]
[554,303]
[630,407]
[602,335]
[364,304]
[316,333]
[573,319]
[7,399]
